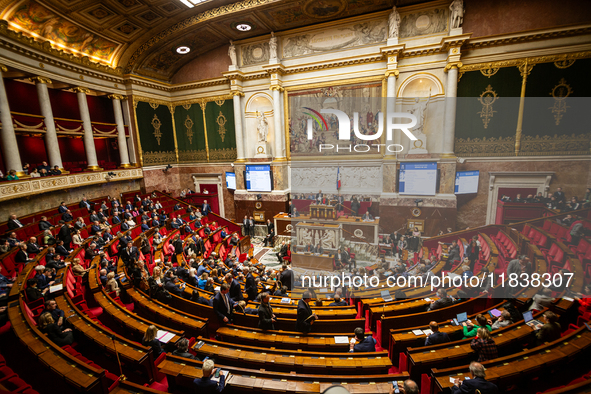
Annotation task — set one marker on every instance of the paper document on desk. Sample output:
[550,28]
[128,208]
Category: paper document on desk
[164,336]
[222,373]
[286,300]
[427,332]
[341,340]
[417,332]
[55,288]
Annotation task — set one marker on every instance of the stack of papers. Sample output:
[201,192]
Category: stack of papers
[164,336]
[418,333]
[55,288]
[341,340]
[286,301]
[427,332]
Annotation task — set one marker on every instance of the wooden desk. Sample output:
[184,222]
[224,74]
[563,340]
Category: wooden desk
[367,230]
[312,261]
[322,212]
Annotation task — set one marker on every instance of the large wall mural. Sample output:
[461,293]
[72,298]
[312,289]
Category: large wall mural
[32,18]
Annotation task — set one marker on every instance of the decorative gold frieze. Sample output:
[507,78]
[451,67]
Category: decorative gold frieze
[189,126]
[154,158]
[222,154]
[189,156]
[221,122]
[39,79]
[116,96]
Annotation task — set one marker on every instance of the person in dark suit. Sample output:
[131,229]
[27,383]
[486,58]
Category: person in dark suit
[14,223]
[282,251]
[477,382]
[367,216]
[95,228]
[442,302]
[22,257]
[174,286]
[61,250]
[33,247]
[44,224]
[266,315]
[355,205]
[84,204]
[67,216]
[205,209]
[246,226]
[270,233]
[150,340]
[94,217]
[144,226]
[305,317]
[559,196]
[124,226]
[286,276]
[338,301]
[62,208]
[222,305]
[437,336]
[182,350]
[550,331]
[32,291]
[235,290]
[129,253]
[362,343]
[116,220]
[205,385]
[250,286]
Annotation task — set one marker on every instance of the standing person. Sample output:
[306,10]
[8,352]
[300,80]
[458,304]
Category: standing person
[305,315]
[222,305]
[473,253]
[251,227]
[205,209]
[250,286]
[246,226]
[270,233]
[266,316]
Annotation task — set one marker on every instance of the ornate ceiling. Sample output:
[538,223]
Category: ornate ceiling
[141,36]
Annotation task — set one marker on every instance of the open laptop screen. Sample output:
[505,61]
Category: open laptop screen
[462,317]
[527,316]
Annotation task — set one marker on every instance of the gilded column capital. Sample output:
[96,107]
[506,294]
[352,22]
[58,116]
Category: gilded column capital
[39,79]
[81,89]
[3,68]
[451,65]
[394,72]
[115,96]
[237,93]
[277,87]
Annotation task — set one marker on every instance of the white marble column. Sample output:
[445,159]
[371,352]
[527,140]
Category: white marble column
[89,147]
[130,140]
[391,108]
[449,122]
[279,140]
[12,157]
[51,143]
[238,125]
[123,154]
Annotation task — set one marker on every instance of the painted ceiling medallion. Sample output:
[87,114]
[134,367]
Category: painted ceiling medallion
[322,9]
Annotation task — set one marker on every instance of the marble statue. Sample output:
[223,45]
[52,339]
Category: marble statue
[232,53]
[393,23]
[262,128]
[419,110]
[273,46]
[457,13]
[328,239]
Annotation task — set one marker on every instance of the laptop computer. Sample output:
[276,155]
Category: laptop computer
[386,295]
[528,318]
[460,318]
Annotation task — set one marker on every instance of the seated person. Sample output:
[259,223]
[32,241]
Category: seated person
[338,301]
[471,330]
[60,336]
[281,292]
[150,340]
[361,343]
[443,301]
[367,216]
[550,331]
[503,320]
[437,336]
[204,384]
[182,350]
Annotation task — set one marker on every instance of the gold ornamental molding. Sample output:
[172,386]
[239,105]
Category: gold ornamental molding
[202,84]
[204,100]
[193,21]
[3,68]
[116,97]
[237,93]
[39,79]
[277,87]
[395,73]
[490,68]
[149,100]
[81,89]
[33,186]
[451,65]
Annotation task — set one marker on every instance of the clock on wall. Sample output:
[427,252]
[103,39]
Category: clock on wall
[258,205]
[416,212]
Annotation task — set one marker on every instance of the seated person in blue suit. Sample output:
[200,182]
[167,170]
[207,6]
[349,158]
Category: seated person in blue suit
[436,337]
[205,384]
[362,343]
[476,384]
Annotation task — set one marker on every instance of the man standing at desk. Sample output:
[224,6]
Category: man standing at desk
[246,225]
[305,316]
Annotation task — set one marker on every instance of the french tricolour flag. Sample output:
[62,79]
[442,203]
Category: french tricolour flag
[338,178]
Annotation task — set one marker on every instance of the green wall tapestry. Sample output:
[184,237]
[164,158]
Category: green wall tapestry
[156,133]
[190,133]
[221,134]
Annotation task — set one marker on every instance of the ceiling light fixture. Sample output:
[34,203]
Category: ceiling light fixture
[191,3]
[243,27]
[183,50]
